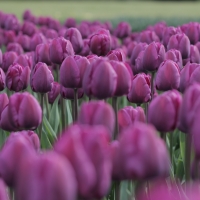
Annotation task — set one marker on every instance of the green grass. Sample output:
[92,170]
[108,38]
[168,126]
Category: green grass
[138,13]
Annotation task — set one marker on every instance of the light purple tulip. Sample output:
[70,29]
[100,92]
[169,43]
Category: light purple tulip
[8,59]
[15,47]
[175,55]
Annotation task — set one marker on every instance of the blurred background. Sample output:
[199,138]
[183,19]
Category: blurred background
[139,13]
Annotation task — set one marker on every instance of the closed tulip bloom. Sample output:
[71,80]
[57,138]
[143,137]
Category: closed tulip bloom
[168,76]
[25,60]
[17,77]
[122,30]
[72,71]
[175,55]
[129,115]
[163,111]
[53,94]
[1,57]
[192,31]
[147,37]
[189,74]
[117,55]
[68,93]
[70,22]
[135,161]
[86,49]
[3,191]
[180,42]
[100,42]
[138,66]
[22,112]
[97,113]
[24,41]
[8,59]
[140,91]
[59,49]
[75,37]
[123,78]
[41,78]
[37,38]
[15,47]
[100,79]
[28,28]
[51,34]
[198,45]
[154,55]
[194,54]
[9,37]
[58,179]
[42,53]
[130,47]
[2,80]
[187,112]
[12,23]
[4,101]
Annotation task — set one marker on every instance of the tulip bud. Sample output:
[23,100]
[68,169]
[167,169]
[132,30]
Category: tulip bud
[194,54]
[22,112]
[138,67]
[140,91]
[192,31]
[154,55]
[28,28]
[168,76]
[2,80]
[72,71]
[130,47]
[8,59]
[68,93]
[53,94]
[129,115]
[42,53]
[9,37]
[122,30]
[70,22]
[134,160]
[17,77]
[51,34]
[24,41]
[117,55]
[4,101]
[147,37]
[175,55]
[163,111]
[3,191]
[15,47]
[37,38]
[59,49]
[25,60]
[100,42]
[180,42]
[74,36]
[86,49]
[12,23]
[93,86]
[41,78]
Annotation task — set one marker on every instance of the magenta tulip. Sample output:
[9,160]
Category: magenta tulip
[86,49]
[117,55]
[175,55]
[28,28]
[8,37]
[194,54]
[192,31]
[37,38]
[15,47]
[8,59]
[2,80]
[68,93]
[3,191]
[54,93]
[51,34]
[147,37]
[122,30]
[42,53]
[4,101]
[24,41]
[70,22]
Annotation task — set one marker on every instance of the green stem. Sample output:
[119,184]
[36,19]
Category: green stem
[47,105]
[42,106]
[73,110]
[115,107]
[62,104]
[187,156]
[117,190]
[75,104]
[171,146]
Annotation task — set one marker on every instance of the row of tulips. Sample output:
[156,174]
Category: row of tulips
[95,150]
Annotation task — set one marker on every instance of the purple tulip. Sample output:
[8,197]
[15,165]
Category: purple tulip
[1,57]
[167,76]
[53,94]
[37,38]
[132,158]
[59,49]
[53,24]
[189,75]
[194,54]
[12,23]
[41,78]
[140,91]
[138,66]
[77,144]
[147,37]
[72,71]
[123,78]
[74,36]
[86,49]
[28,28]
[122,30]
[175,55]
[114,42]
[8,59]
[163,111]
[51,34]
[100,42]
[154,55]
[100,79]
[70,22]
[84,29]
[24,60]
[3,191]
[15,47]
[24,41]
[129,115]
[187,111]
[8,37]
[17,77]
[68,93]
[4,101]
[130,47]
[22,112]
[180,42]
[58,180]
[42,53]
[117,55]
[2,80]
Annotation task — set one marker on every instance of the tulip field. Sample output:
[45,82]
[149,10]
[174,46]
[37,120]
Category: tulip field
[90,110]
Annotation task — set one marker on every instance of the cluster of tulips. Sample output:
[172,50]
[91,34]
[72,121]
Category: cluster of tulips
[86,107]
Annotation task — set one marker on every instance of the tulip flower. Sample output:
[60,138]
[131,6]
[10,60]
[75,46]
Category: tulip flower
[180,42]
[37,38]
[169,104]
[122,30]
[100,42]
[8,59]
[58,180]
[134,159]
[75,37]
[140,91]
[147,37]
[189,75]
[12,23]
[2,80]
[117,55]
[17,77]
[68,93]
[100,79]
[53,94]
[1,57]
[24,41]
[154,55]
[70,22]
[28,28]
[130,47]
[15,47]
[86,49]
[59,49]
[41,78]
[9,37]
[42,53]
[4,101]
[129,115]
[51,34]
[194,54]
[168,76]
[175,55]
[22,112]
[3,191]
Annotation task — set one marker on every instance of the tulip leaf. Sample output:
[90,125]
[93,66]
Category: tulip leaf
[69,113]
[48,130]
[124,192]
[180,170]
[45,143]
[3,137]
[54,119]
[182,146]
